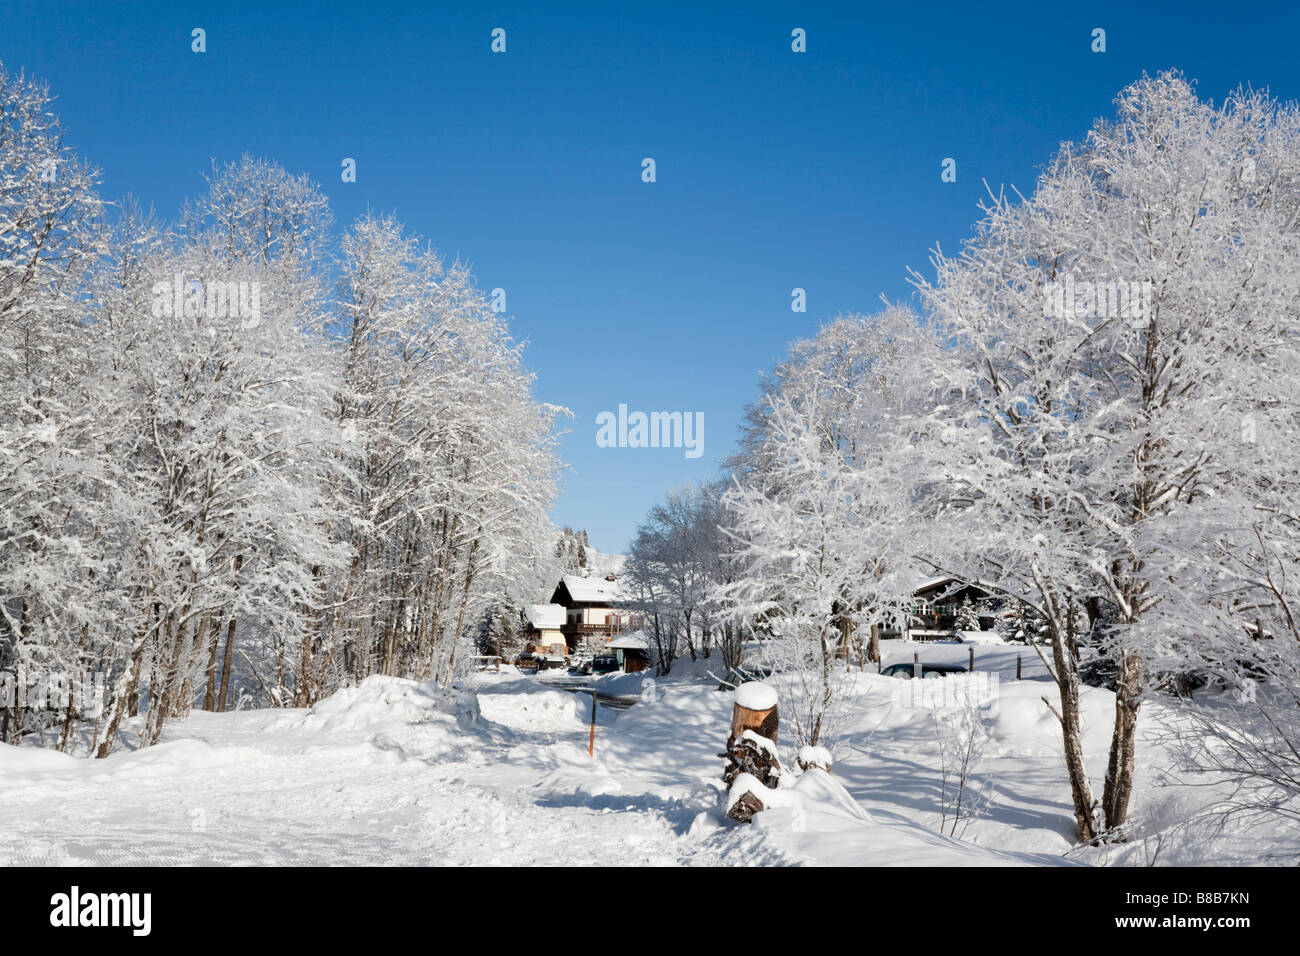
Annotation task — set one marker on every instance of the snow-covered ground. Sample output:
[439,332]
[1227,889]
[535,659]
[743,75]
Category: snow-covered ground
[396,772]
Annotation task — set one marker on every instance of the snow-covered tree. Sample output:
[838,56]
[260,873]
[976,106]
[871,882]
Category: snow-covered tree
[1110,332]
[499,630]
[968,618]
[222,376]
[451,462]
[51,418]
[824,502]
[216,480]
[665,572]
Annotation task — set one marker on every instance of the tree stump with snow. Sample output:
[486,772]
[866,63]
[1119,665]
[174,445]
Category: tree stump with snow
[761,720]
[752,760]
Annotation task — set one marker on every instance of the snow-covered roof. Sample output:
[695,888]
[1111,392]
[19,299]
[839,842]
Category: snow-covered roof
[545,616]
[932,582]
[593,590]
[630,642]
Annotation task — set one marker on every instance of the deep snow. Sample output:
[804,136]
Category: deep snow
[397,772]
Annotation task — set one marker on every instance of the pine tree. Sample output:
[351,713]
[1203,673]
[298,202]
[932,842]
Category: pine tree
[968,618]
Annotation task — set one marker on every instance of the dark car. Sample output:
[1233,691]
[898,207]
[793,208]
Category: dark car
[907,671]
[604,664]
[1099,671]
[1103,671]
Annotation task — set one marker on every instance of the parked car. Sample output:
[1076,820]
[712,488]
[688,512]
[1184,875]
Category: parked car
[604,664]
[907,671]
[1100,670]
[580,665]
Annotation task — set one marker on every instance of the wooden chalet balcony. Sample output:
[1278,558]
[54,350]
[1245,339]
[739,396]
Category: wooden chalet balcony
[584,630]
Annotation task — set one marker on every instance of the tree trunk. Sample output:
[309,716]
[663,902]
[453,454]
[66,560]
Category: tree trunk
[129,684]
[69,719]
[210,678]
[312,627]
[1119,768]
[226,664]
[470,570]
[16,725]
[184,702]
[1067,676]
[227,661]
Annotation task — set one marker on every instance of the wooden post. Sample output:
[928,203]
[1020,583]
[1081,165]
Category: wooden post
[877,665]
[972,660]
[1017,667]
[916,664]
[591,746]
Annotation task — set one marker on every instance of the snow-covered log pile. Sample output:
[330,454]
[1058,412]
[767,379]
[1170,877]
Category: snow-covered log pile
[753,769]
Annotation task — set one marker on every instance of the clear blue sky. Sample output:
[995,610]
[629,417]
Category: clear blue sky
[818,170]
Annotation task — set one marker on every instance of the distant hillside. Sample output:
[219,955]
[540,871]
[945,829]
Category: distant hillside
[575,555]
[602,564]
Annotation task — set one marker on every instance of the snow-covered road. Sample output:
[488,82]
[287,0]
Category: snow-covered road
[254,789]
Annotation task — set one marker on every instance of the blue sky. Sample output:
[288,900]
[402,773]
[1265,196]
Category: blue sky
[775,170]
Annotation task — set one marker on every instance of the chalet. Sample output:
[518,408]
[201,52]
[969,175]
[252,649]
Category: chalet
[544,629]
[593,611]
[936,604]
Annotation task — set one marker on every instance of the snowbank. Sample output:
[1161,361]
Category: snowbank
[980,637]
[397,771]
[528,705]
[386,701]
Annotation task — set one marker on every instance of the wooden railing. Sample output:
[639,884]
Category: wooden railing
[579,630]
